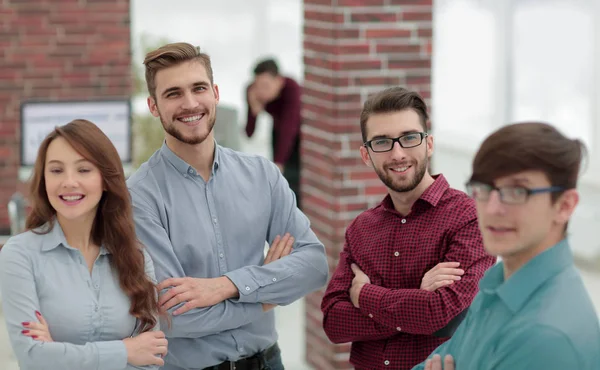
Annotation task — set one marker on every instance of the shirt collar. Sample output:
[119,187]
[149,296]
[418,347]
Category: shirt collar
[56,238]
[515,291]
[182,166]
[431,195]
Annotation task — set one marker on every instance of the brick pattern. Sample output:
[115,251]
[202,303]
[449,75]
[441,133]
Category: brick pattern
[352,48]
[53,50]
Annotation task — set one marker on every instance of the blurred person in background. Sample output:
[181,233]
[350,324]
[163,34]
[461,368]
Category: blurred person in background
[205,213]
[533,310]
[280,97]
[77,288]
[410,266]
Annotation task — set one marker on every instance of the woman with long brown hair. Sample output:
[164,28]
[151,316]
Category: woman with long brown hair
[78,290]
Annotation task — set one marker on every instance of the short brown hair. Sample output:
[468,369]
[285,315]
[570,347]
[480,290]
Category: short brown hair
[171,55]
[529,146]
[390,100]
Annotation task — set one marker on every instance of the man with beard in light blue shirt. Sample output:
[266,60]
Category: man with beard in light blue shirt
[204,213]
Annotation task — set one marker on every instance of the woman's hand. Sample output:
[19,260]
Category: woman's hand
[37,330]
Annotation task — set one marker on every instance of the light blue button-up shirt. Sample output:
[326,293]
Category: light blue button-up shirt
[210,229]
[540,318]
[87,314]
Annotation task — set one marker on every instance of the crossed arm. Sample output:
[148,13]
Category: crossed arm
[356,310]
[241,296]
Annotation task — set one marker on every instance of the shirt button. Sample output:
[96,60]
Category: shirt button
[247,288]
[241,349]
[221,255]
[371,315]
[386,362]
[190,171]
[396,254]
[274,279]
[97,286]
[403,221]
[215,220]
[399,328]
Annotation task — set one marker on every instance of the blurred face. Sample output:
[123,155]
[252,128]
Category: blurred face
[73,184]
[400,169]
[266,87]
[186,102]
[518,232]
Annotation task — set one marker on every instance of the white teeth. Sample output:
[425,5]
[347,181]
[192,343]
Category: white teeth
[400,169]
[72,197]
[191,119]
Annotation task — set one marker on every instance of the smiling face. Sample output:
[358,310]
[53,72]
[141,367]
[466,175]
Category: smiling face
[186,102]
[400,169]
[518,232]
[73,184]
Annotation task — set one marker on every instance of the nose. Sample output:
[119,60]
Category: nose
[397,151]
[493,204]
[70,180]
[189,101]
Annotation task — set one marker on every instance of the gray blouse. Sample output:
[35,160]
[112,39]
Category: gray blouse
[88,314]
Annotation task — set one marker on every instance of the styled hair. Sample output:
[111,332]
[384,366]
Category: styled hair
[171,55]
[113,225]
[530,146]
[394,99]
[266,66]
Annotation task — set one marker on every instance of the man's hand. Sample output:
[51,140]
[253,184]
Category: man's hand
[196,292]
[435,363]
[256,106]
[279,248]
[443,274]
[360,279]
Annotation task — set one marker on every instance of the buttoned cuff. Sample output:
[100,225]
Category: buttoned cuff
[112,355]
[246,285]
[369,301]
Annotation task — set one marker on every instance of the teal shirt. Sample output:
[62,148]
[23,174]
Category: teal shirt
[540,318]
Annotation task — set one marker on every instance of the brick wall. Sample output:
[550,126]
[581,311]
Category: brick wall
[67,49]
[352,48]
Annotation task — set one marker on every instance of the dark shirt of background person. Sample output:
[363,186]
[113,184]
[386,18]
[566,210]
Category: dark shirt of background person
[279,96]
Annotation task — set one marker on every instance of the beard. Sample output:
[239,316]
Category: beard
[408,184]
[172,130]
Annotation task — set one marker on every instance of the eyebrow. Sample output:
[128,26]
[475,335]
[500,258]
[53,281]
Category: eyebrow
[519,181]
[177,88]
[56,161]
[401,134]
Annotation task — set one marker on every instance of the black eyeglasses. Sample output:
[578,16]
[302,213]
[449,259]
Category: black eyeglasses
[508,194]
[385,144]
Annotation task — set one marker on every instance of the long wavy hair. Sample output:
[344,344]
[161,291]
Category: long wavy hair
[113,225]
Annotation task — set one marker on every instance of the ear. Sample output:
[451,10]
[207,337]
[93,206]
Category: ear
[364,154]
[429,141]
[152,106]
[216,92]
[565,206]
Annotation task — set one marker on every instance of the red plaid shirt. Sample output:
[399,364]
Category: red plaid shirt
[393,327]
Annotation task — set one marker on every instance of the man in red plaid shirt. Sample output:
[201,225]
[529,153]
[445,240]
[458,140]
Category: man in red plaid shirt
[411,265]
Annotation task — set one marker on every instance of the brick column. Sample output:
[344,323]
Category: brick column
[59,50]
[352,48]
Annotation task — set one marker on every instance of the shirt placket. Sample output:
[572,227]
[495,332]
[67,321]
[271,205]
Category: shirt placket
[212,210]
[93,284]
[95,287]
